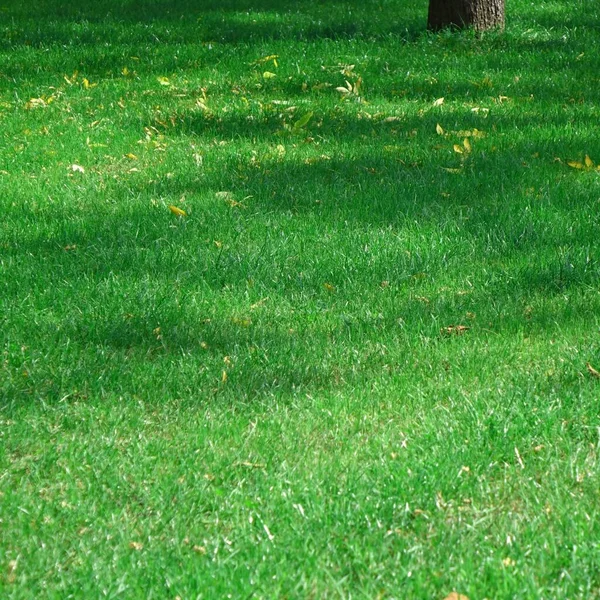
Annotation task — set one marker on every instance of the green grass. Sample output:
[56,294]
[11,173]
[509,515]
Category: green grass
[261,399]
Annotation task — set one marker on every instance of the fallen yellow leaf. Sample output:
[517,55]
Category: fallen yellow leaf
[35,103]
[265,59]
[136,545]
[177,211]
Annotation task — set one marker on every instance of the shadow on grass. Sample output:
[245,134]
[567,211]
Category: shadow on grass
[526,246]
[232,22]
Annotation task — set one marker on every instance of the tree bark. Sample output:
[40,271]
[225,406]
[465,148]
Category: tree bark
[479,14]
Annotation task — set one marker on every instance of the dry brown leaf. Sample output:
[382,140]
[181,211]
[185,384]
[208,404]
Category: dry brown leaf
[454,329]
[592,371]
[11,575]
[229,199]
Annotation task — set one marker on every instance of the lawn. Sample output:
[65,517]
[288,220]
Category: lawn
[298,301]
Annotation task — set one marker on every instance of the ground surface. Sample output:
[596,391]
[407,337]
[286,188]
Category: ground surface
[361,364]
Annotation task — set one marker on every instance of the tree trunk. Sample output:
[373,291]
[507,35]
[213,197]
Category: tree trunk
[479,14]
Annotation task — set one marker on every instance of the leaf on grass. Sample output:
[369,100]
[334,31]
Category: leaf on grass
[35,103]
[131,156]
[575,164]
[163,81]
[136,545]
[250,465]
[268,75]
[77,169]
[451,170]
[456,596]
[467,144]
[343,90]
[269,534]
[265,59]
[439,130]
[458,149]
[229,199]
[11,575]
[258,304]
[241,321]
[303,121]
[177,211]
[329,287]
[592,371]
[454,330]
[439,102]
[589,163]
